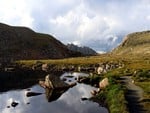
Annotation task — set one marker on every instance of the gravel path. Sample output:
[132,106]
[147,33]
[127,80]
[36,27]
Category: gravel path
[133,96]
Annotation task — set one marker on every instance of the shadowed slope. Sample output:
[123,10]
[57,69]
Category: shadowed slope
[23,43]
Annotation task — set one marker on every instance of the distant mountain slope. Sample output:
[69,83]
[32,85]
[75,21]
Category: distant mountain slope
[135,43]
[23,43]
[84,50]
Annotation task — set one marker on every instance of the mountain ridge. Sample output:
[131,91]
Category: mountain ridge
[24,43]
[134,43]
[84,49]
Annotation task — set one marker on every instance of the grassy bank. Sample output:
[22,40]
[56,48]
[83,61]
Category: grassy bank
[129,61]
[114,95]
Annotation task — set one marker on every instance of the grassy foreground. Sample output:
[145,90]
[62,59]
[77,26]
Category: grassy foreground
[114,95]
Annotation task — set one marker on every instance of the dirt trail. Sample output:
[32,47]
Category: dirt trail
[133,95]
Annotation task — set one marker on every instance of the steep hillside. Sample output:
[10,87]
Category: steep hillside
[23,43]
[135,43]
[84,50]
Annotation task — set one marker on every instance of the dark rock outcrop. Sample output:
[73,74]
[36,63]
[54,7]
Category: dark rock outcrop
[84,50]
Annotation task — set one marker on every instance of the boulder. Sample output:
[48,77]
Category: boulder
[54,82]
[103,83]
[48,82]
[79,69]
[45,67]
[100,70]
[14,104]
[93,92]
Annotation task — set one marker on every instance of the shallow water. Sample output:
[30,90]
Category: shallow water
[69,102]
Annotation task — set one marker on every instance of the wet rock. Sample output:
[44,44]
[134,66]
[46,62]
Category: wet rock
[28,102]
[75,78]
[72,68]
[81,80]
[8,106]
[69,80]
[100,70]
[64,79]
[42,84]
[132,81]
[93,92]
[69,76]
[103,83]
[28,89]
[29,94]
[65,69]
[9,69]
[79,69]
[48,82]
[98,90]
[53,94]
[95,85]
[107,66]
[54,82]
[72,84]
[14,104]
[45,67]
[84,98]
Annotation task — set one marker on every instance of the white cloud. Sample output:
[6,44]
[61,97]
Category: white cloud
[15,13]
[84,26]
[99,24]
[76,43]
[90,26]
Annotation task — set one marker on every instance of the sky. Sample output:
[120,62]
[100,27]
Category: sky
[99,24]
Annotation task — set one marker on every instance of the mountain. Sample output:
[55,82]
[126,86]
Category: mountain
[24,43]
[84,50]
[134,43]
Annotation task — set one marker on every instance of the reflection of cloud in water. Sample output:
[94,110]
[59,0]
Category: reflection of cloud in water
[74,75]
[69,102]
[18,96]
[72,100]
[8,97]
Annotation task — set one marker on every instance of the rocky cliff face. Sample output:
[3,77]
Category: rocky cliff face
[84,50]
[135,43]
[24,43]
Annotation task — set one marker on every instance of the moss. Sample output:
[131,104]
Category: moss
[113,97]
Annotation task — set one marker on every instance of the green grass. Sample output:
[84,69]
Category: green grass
[146,88]
[115,99]
[113,95]
[135,44]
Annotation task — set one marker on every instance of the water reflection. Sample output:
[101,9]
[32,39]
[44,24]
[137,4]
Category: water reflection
[50,101]
[72,77]
[53,94]
[19,80]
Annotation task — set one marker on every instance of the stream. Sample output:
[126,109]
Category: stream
[69,101]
